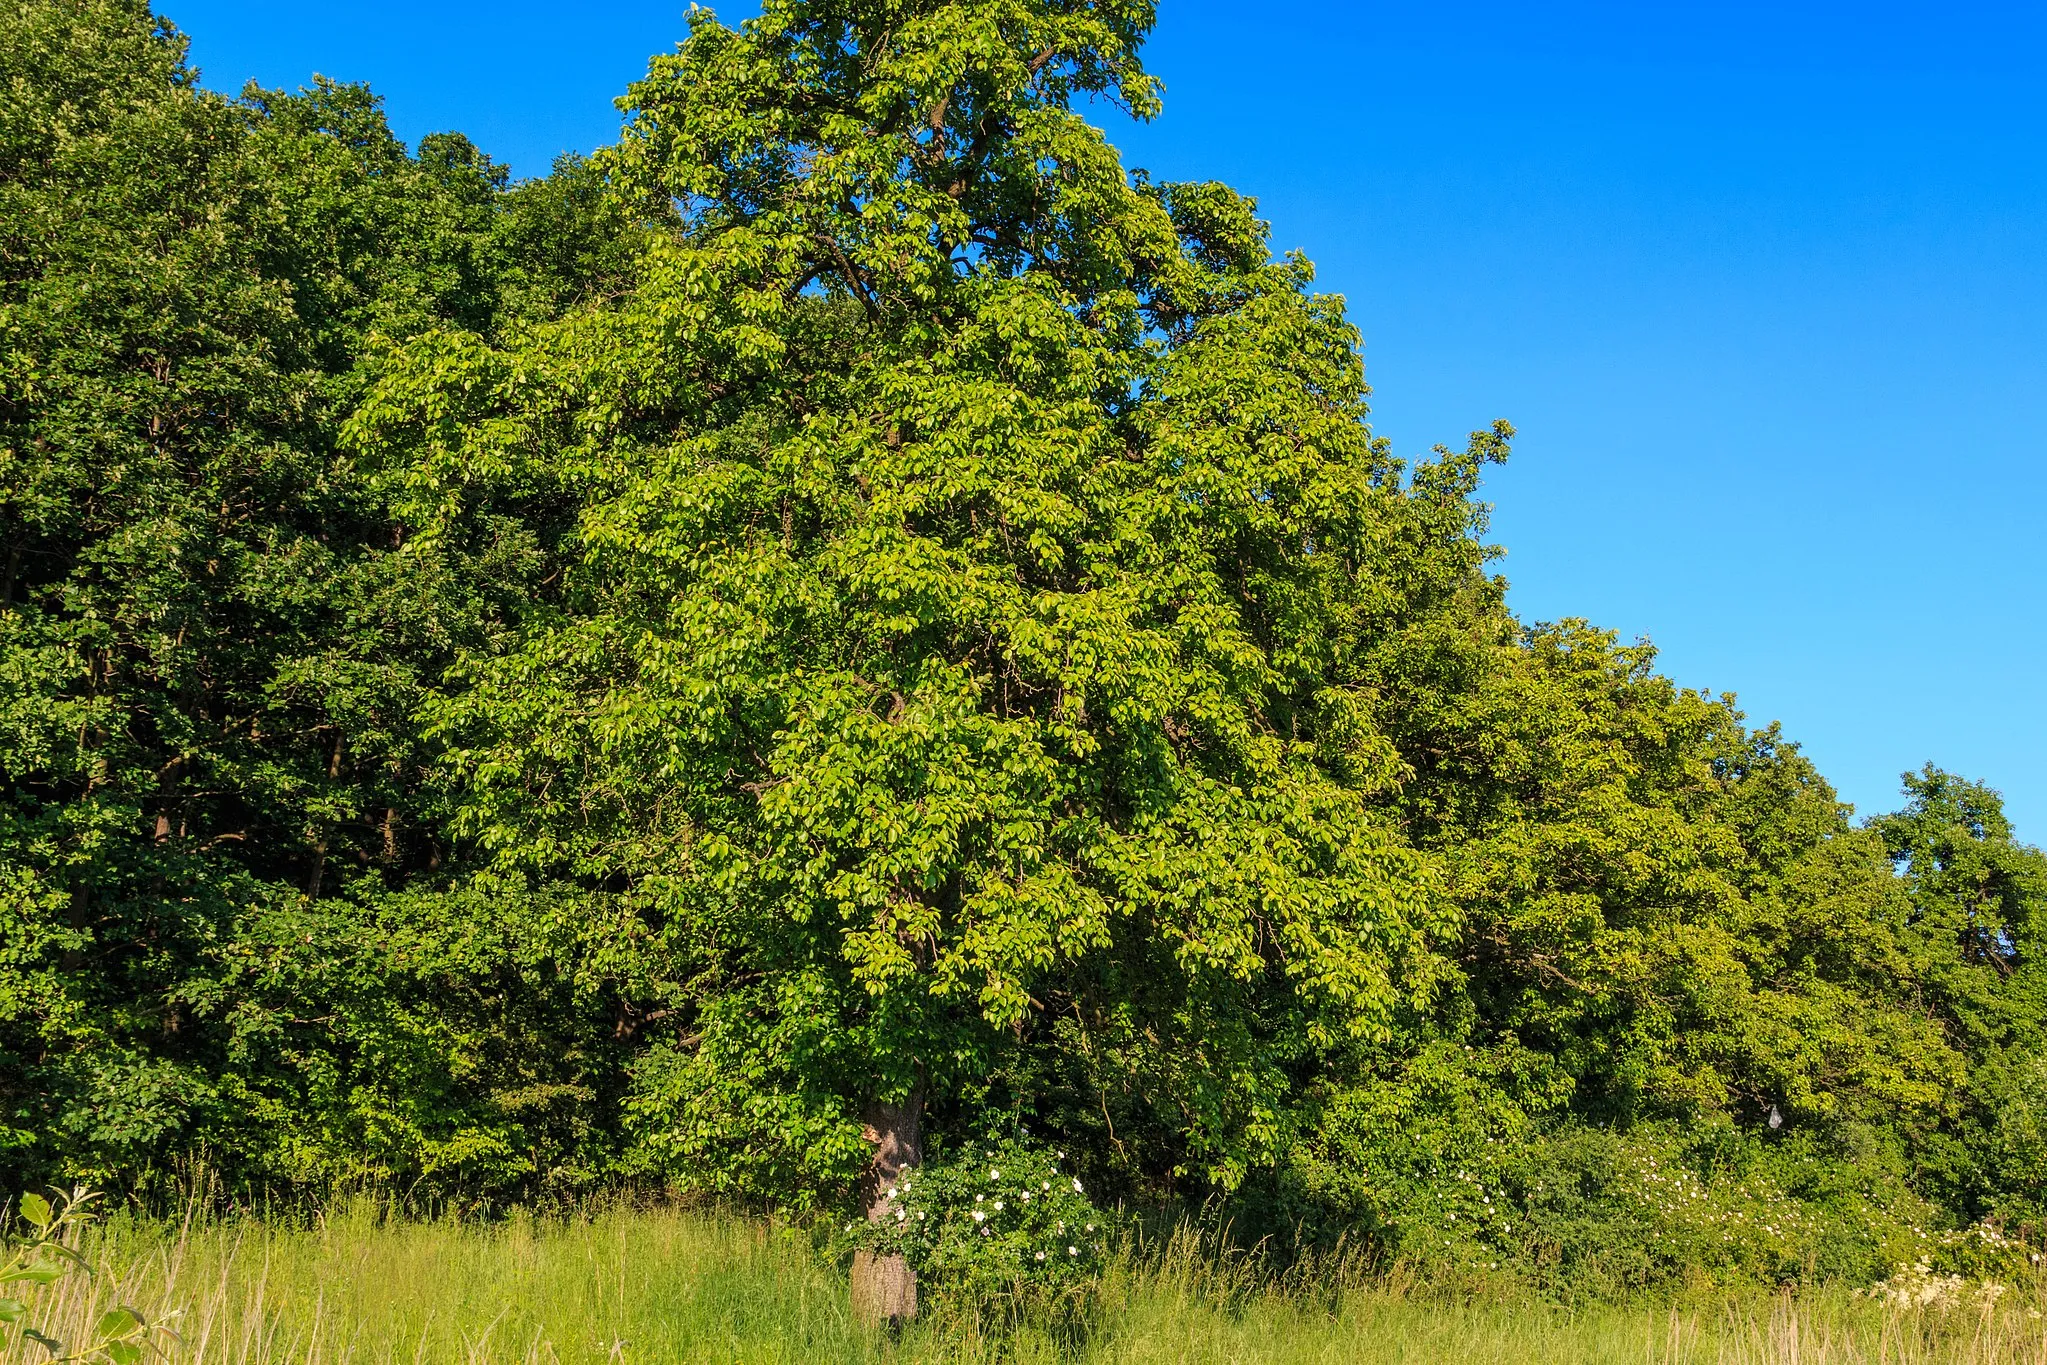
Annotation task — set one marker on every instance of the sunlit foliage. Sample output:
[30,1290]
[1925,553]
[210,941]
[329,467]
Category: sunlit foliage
[853,607]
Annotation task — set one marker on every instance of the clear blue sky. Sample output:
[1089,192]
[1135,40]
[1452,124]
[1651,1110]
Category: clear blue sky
[1764,286]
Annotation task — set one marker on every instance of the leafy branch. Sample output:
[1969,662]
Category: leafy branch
[120,1336]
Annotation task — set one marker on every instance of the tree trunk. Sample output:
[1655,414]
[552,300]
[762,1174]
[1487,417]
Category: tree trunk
[884,1287]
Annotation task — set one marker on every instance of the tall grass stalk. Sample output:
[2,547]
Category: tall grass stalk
[620,1287]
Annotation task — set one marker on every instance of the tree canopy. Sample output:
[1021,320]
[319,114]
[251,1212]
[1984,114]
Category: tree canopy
[851,617]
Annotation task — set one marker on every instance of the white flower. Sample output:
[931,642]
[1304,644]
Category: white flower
[1062,1156]
[1044,1184]
[900,1215]
[1090,1227]
[1073,1251]
[1041,1255]
[891,1191]
[1025,1196]
[994,1174]
[998,1206]
[984,1232]
[980,1217]
[920,1215]
[1076,1186]
[979,1197]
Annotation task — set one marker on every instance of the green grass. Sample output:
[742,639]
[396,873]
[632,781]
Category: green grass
[669,1286]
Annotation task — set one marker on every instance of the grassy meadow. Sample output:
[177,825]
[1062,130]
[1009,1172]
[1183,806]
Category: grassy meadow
[671,1286]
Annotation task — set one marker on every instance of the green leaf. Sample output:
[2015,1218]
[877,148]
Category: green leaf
[116,1322]
[36,1209]
[42,1272]
[12,1310]
[123,1352]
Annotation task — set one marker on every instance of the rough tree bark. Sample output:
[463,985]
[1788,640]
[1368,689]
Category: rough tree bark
[884,1287]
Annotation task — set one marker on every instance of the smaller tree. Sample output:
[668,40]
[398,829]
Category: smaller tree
[1978,922]
[1976,937]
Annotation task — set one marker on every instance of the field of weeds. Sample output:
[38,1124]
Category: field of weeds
[671,1286]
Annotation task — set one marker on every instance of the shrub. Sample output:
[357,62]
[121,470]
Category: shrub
[1000,1220]
[1577,1211]
[1981,1252]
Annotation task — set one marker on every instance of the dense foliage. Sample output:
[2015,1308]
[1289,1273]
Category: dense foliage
[849,610]
[219,637]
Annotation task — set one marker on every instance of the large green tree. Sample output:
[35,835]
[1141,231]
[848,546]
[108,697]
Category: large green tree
[955,645]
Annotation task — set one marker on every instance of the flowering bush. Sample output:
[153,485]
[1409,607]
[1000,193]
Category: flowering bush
[1981,1251]
[1576,1211]
[1920,1286]
[1591,1213]
[1583,1212]
[995,1219]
